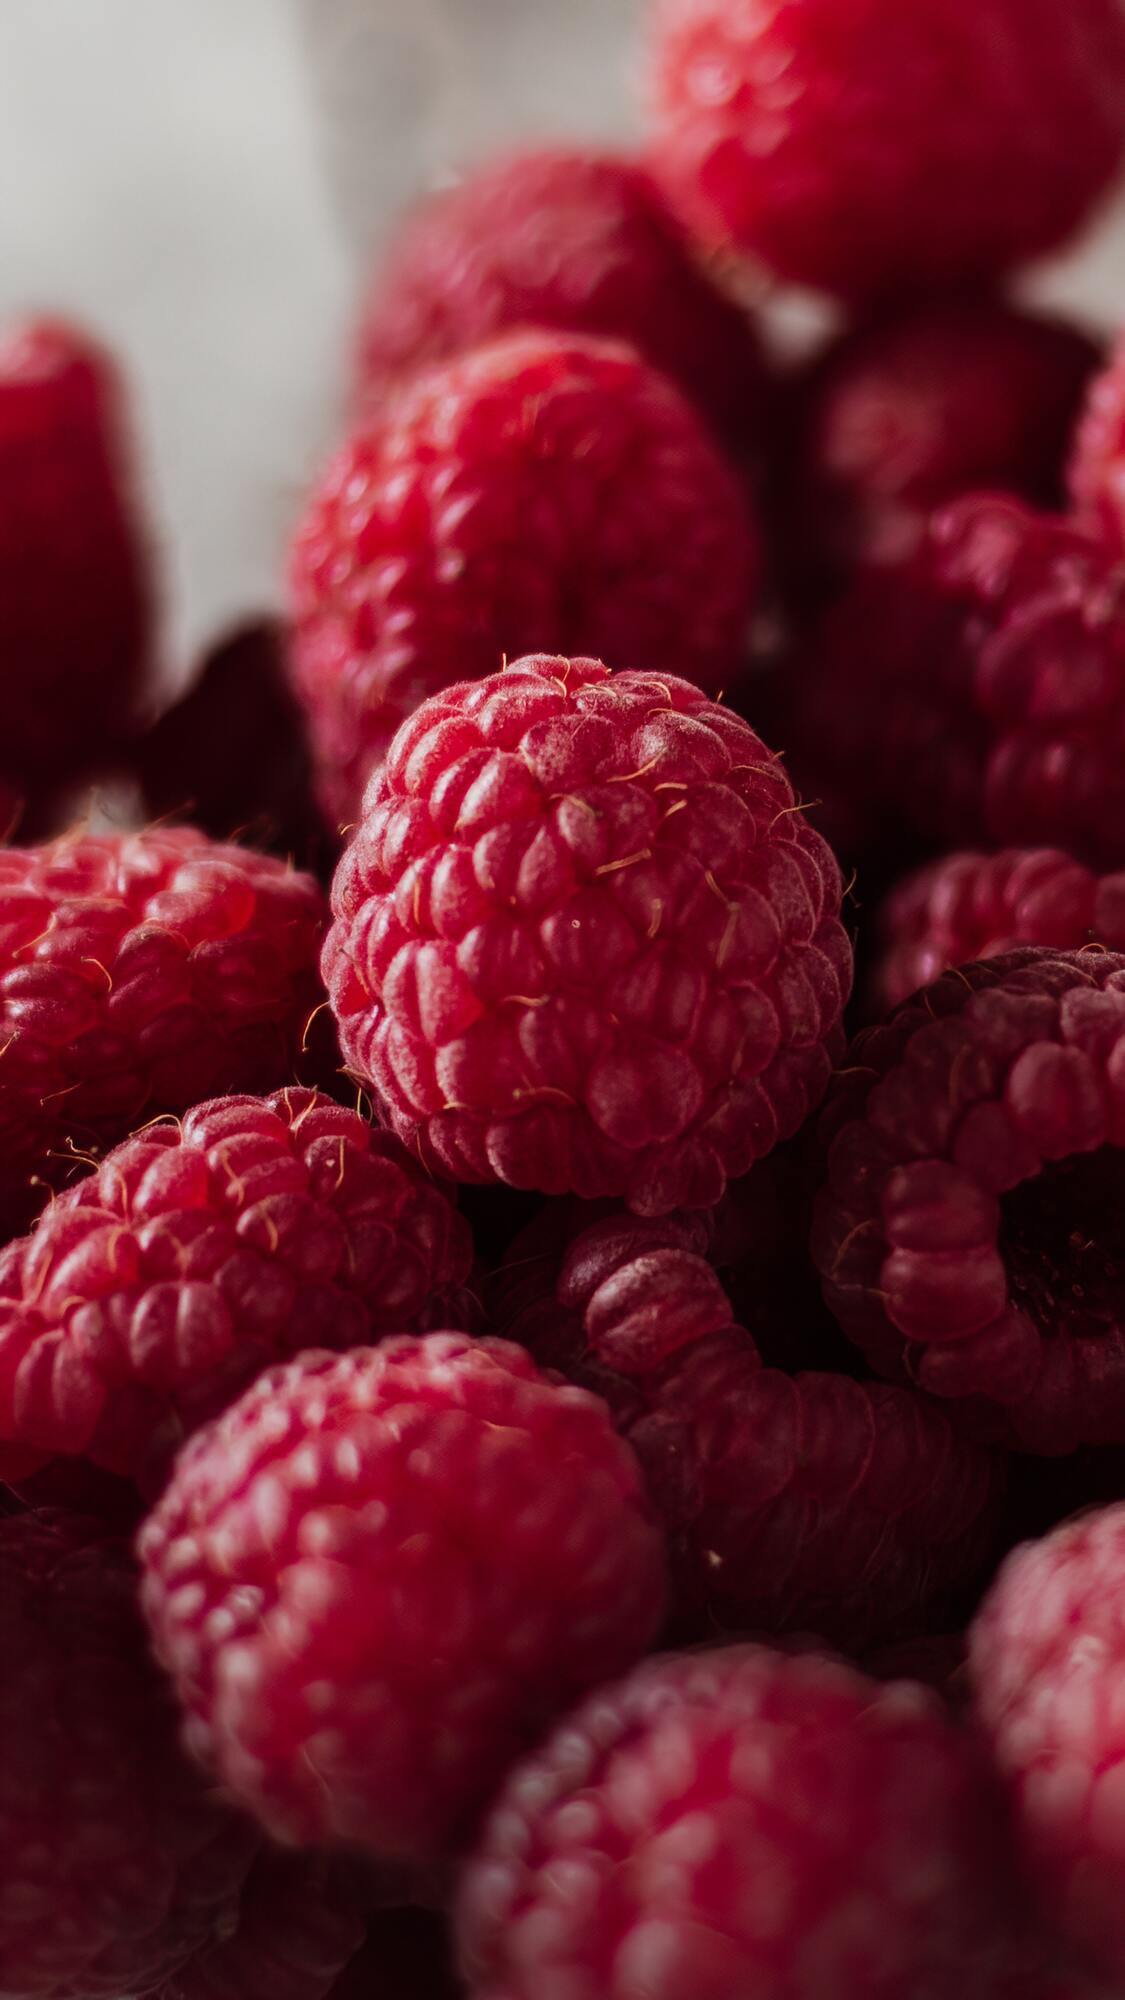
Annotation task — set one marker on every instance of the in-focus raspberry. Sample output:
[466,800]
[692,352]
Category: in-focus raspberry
[377,1577]
[1097,466]
[542,491]
[585,940]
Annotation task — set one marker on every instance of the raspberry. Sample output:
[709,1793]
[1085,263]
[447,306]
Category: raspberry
[1097,468]
[1046,1658]
[585,941]
[915,408]
[981,905]
[295,1934]
[970,1231]
[139,973]
[868,149]
[154,1291]
[75,611]
[544,490]
[117,1863]
[583,242]
[378,1576]
[738,1823]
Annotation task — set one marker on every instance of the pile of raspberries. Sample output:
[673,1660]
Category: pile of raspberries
[562,1109]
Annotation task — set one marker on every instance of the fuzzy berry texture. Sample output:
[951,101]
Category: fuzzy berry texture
[580,241]
[868,150]
[970,906]
[378,1577]
[75,611]
[295,1934]
[970,1231]
[544,490]
[1097,466]
[585,941]
[201,1251]
[739,1823]
[118,1863]
[1046,1658]
[139,973]
[912,409]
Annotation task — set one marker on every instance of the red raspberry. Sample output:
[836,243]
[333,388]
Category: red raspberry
[542,491]
[117,1863]
[585,940]
[867,148]
[979,905]
[1046,1657]
[294,1936]
[971,1230]
[580,241]
[740,1823]
[138,973]
[378,1576]
[75,611]
[1097,467]
[153,1292]
[910,410]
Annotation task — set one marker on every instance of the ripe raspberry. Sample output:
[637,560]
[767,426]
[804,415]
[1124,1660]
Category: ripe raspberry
[870,149]
[542,491]
[1097,467]
[579,241]
[980,905]
[1046,1658]
[139,973]
[295,1934]
[585,941]
[915,408]
[740,1823]
[75,611]
[377,1577]
[154,1291]
[117,1862]
[971,1230]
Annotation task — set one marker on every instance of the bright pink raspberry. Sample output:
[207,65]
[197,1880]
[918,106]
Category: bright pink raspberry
[377,1577]
[1097,466]
[544,490]
[295,1934]
[584,939]
[1047,1655]
[198,1253]
[971,1231]
[867,148]
[576,240]
[738,1823]
[139,973]
[118,1862]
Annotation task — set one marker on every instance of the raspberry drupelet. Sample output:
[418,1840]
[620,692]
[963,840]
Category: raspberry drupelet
[543,490]
[377,1577]
[199,1252]
[970,1229]
[1097,466]
[871,150]
[584,939]
[741,1822]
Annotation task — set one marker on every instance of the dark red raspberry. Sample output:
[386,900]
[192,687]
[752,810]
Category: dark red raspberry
[117,1861]
[1097,466]
[378,1576]
[75,612]
[1047,1655]
[910,410]
[869,149]
[580,241]
[739,1823]
[979,905]
[295,1933]
[202,1251]
[584,939]
[971,1232]
[139,973]
[542,491]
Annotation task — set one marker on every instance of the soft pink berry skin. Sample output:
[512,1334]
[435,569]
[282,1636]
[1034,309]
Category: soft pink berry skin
[969,1231]
[377,1577]
[543,490]
[1097,466]
[1046,1659]
[867,150]
[584,940]
[737,1823]
[198,1253]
